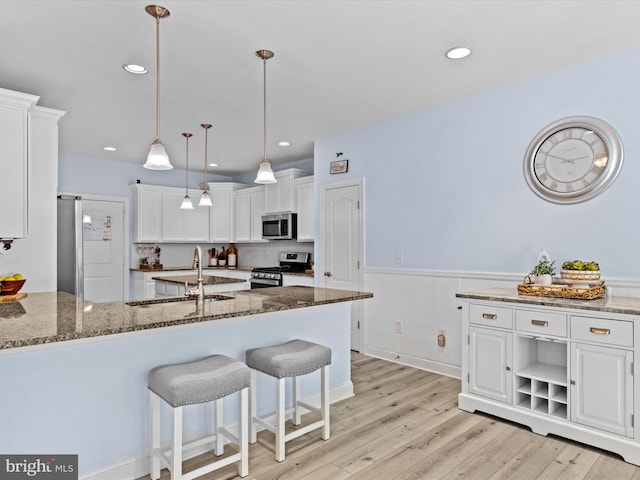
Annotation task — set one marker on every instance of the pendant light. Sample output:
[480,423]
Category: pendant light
[157,159]
[205,199]
[265,174]
[186,202]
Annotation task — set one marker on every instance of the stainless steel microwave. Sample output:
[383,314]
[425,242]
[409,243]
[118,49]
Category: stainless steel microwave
[280,226]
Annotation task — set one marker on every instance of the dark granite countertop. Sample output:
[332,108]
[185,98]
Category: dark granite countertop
[625,305]
[52,317]
[193,279]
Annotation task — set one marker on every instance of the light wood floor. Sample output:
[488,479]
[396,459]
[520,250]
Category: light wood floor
[404,423]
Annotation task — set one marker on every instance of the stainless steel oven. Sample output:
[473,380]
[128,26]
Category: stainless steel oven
[263,277]
[266,277]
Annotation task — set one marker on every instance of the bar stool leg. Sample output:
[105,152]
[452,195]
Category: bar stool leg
[297,411]
[252,408]
[280,419]
[176,453]
[324,400]
[154,409]
[244,433]
[217,423]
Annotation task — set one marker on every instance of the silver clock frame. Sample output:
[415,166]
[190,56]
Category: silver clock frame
[612,143]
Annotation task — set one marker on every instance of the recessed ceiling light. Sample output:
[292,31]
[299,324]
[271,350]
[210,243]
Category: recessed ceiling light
[213,165]
[110,149]
[284,144]
[135,69]
[457,53]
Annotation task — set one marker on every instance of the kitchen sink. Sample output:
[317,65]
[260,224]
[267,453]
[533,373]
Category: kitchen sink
[156,301]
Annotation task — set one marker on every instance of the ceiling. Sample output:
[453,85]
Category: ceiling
[338,65]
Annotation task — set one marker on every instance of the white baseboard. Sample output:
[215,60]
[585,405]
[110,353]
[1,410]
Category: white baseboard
[138,466]
[421,363]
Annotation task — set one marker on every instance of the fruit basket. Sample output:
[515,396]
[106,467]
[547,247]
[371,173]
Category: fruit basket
[580,275]
[580,271]
[11,287]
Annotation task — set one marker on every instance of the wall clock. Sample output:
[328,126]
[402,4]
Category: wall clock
[573,159]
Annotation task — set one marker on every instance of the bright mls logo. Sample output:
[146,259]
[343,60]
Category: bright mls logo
[49,467]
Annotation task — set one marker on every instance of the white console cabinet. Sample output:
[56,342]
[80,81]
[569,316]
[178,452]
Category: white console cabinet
[561,367]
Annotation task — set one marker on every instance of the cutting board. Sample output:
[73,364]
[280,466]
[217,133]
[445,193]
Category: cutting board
[12,298]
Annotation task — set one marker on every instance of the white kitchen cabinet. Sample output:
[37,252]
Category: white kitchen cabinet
[179,225]
[280,196]
[490,372]
[560,369]
[14,141]
[143,287]
[305,208]
[222,213]
[249,208]
[289,280]
[602,374]
[147,213]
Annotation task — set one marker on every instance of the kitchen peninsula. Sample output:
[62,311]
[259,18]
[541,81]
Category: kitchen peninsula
[74,373]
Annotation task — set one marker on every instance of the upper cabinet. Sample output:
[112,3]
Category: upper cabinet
[157,216]
[249,211]
[181,225]
[222,215]
[304,208]
[280,196]
[147,213]
[14,141]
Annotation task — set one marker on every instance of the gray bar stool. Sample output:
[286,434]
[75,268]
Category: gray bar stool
[209,379]
[290,359]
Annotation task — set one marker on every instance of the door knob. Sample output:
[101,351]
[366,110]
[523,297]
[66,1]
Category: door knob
[327,274]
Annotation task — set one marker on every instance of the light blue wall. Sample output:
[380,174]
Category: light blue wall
[445,186]
[78,174]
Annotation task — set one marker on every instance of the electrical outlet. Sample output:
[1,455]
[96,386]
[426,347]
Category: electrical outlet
[442,339]
[399,258]
[398,327]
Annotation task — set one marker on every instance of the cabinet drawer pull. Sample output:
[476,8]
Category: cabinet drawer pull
[489,316]
[508,369]
[600,331]
[540,323]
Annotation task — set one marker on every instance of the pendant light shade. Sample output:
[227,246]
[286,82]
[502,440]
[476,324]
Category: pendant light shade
[205,199]
[186,201]
[157,158]
[265,173]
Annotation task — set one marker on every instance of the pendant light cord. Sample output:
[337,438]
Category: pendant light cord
[158,78]
[186,179]
[206,127]
[264,97]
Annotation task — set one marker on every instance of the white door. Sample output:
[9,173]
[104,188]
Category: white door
[342,247]
[104,250]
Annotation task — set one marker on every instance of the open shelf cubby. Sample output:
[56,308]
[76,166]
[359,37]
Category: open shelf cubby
[541,376]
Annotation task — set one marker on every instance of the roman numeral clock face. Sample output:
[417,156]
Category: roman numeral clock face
[573,160]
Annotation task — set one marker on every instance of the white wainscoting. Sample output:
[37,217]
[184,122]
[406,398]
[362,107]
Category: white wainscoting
[424,303]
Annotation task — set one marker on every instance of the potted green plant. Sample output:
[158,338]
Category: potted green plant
[543,272]
[222,258]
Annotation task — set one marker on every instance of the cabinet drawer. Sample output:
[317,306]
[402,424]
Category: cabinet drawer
[541,322]
[601,330]
[491,316]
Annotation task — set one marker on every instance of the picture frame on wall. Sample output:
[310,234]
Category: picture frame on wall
[339,166]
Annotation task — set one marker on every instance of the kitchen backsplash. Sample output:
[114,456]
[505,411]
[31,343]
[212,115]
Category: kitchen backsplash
[249,254]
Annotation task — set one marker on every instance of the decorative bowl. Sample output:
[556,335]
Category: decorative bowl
[580,275]
[11,287]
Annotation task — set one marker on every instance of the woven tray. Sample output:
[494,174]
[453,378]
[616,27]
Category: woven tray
[563,291]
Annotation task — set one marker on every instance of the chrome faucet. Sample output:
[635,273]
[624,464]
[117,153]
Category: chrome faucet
[198,293]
